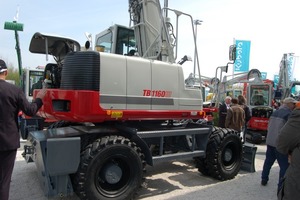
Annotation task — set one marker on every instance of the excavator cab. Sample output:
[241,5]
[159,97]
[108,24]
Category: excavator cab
[116,39]
[260,95]
[29,78]
[260,103]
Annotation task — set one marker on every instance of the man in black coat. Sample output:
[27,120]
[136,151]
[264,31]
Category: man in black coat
[223,111]
[12,100]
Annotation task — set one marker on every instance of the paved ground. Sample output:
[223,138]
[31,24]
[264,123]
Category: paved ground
[176,181]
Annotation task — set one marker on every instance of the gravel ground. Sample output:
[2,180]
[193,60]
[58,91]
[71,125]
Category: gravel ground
[176,181]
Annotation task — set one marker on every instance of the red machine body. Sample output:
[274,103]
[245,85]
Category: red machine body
[85,106]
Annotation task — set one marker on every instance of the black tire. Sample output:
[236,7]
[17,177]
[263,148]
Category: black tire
[223,155]
[201,164]
[110,168]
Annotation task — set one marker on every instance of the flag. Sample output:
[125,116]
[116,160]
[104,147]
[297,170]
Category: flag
[241,63]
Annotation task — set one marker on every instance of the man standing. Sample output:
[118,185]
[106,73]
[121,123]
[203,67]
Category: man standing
[242,103]
[12,100]
[288,142]
[276,122]
[223,111]
[235,118]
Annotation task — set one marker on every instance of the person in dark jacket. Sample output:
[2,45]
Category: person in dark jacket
[223,111]
[288,143]
[276,122]
[12,100]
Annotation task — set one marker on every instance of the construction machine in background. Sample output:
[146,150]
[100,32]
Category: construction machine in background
[121,108]
[288,83]
[262,96]
[267,94]
[211,89]
[258,93]
[261,106]
[30,77]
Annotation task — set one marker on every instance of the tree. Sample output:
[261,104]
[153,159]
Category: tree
[13,74]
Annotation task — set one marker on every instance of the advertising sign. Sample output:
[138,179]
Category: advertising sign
[263,75]
[242,56]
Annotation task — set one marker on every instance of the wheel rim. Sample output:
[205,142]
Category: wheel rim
[113,176]
[229,156]
[112,173]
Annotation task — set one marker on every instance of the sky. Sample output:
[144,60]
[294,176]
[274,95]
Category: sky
[270,25]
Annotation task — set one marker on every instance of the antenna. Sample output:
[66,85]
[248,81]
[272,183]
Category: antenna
[16,17]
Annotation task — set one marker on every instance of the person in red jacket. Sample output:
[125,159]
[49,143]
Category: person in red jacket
[12,100]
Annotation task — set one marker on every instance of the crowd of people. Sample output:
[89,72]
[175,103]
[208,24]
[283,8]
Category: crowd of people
[235,114]
[283,140]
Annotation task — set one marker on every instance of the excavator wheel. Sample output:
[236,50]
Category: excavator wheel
[223,155]
[111,167]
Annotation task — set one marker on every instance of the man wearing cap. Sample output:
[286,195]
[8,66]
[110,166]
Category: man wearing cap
[12,100]
[276,122]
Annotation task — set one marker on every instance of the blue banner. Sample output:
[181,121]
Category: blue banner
[263,75]
[242,56]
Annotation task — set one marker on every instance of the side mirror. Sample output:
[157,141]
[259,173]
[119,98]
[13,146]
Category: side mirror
[232,52]
[87,45]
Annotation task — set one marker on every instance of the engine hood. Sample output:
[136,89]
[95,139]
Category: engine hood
[54,45]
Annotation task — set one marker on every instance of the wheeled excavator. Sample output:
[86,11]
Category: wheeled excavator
[121,107]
